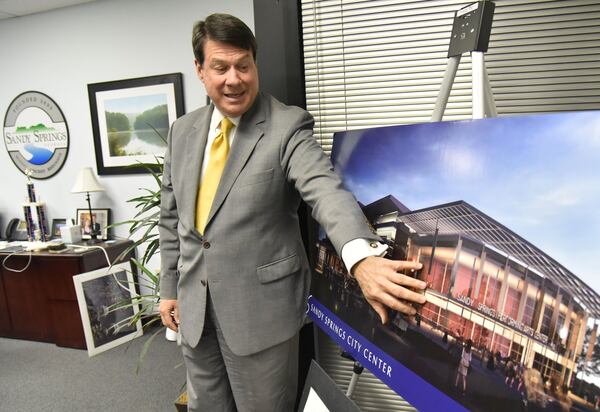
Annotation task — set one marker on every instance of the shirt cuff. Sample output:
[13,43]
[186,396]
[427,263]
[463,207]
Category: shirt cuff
[356,250]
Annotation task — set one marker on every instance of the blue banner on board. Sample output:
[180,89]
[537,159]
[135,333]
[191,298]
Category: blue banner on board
[419,393]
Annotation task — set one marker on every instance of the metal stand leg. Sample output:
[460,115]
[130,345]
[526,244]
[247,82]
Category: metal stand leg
[483,99]
[442,99]
[490,104]
[357,369]
[478,72]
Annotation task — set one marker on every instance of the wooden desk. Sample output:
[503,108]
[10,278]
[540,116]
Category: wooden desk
[40,302]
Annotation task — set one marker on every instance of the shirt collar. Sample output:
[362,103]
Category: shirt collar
[217,116]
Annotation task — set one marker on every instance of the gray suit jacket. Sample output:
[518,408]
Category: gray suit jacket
[251,255]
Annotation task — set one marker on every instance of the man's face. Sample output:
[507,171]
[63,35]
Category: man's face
[230,77]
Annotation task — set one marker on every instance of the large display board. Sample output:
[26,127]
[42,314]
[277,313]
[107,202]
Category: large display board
[504,215]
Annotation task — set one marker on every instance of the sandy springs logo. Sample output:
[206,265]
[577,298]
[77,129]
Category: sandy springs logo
[36,134]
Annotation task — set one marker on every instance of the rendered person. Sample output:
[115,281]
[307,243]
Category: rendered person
[510,372]
[463,366]
[236,280]
[490,362]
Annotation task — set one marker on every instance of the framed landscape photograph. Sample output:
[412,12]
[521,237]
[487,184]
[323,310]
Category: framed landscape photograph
[100,294]
[99,216]
[131,119]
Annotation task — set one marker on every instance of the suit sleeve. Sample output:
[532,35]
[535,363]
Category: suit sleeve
[167,229]
[311,172]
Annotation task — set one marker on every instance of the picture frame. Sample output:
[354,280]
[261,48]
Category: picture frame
[99,294]
[321,393]
[131,119]
[56,225]
[101,216]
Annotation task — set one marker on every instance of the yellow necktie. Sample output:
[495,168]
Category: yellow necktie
[216,163]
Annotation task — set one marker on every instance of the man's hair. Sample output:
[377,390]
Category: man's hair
[223,28]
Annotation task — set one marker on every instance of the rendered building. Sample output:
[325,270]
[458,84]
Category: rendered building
[487,284]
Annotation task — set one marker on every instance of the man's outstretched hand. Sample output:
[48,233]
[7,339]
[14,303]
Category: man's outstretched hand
[383,286]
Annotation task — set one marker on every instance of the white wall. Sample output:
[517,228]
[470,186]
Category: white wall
[60,52]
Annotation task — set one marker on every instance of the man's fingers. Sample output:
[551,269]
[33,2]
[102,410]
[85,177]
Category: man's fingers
[407,281]
[405,294]
[380,309]
[392,269]
[169,322]
[396,304]
[383,286]
[169,314]
[399,265]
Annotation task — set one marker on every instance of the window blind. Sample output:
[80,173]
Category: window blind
[381,62]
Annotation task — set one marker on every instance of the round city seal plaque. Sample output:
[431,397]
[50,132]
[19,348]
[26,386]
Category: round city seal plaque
[36,134]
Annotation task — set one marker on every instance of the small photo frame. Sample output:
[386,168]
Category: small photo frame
[98,292]
[56,225]
[131,120]
[99,216]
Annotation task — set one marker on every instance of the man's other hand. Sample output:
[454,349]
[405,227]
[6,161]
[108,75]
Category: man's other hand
[383,286]
[169,313]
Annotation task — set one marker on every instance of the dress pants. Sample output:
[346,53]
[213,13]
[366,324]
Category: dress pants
[220,381]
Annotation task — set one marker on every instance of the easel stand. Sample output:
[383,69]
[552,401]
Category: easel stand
[470,33]
[482,97]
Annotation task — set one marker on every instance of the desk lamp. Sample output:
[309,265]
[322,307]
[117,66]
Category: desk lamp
[86,182]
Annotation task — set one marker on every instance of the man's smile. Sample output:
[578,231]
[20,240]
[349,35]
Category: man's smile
[234,95]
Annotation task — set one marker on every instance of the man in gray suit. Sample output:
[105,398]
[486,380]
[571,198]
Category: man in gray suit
[234,275]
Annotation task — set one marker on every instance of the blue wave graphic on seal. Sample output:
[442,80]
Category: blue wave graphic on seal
[40,154]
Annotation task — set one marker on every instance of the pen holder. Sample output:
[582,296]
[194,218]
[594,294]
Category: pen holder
[70,234]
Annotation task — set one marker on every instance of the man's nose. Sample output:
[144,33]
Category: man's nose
[232,77]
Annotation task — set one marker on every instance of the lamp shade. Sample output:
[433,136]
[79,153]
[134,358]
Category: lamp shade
[86,182]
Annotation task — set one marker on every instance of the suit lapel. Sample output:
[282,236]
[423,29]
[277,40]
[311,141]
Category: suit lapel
[246,137]
[194,156]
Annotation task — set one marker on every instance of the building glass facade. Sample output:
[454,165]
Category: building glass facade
[480,292]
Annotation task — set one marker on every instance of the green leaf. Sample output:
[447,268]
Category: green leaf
[145,349]
[144,224]
[146,271]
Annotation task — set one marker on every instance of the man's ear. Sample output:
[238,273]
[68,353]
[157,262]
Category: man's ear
[199,71]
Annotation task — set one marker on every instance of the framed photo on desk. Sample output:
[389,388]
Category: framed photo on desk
[99,216]
[56,225]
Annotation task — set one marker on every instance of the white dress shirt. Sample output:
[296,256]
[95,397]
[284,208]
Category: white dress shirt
[213,131]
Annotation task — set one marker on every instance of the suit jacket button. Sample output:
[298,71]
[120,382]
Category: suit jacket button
[206,245]
[203,282]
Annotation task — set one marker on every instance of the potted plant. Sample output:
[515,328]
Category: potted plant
[143,227]
[143,231]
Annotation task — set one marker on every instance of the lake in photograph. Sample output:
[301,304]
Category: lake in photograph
[136,142]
